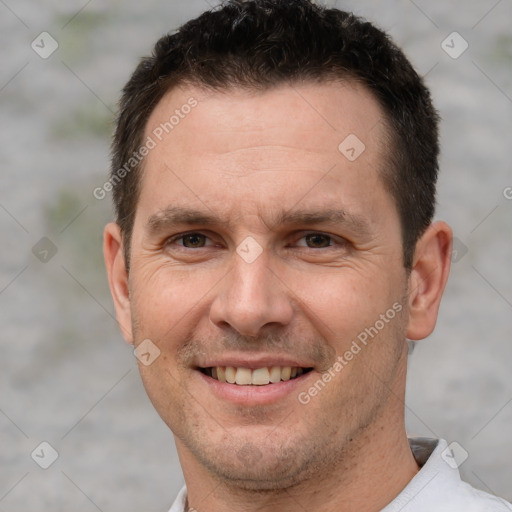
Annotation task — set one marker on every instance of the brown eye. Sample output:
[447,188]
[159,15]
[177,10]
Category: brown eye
[193,240]
[318,241]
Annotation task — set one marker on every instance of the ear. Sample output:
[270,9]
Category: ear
[430,269]
[118,277]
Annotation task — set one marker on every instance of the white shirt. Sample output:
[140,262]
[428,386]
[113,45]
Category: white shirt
[437,487]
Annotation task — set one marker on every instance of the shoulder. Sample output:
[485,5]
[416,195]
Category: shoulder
[469,499]
[438,487]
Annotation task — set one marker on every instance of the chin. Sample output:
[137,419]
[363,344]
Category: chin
[264,476]
[251,468]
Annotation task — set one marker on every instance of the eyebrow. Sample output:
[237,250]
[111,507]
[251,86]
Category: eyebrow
[179,215]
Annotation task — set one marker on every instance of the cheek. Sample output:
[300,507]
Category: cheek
[344,302]
[166,390]
[164,297]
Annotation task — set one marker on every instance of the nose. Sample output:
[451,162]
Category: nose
[250,297]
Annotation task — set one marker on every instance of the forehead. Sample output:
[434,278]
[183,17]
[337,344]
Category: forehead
[241,147]
[325,112]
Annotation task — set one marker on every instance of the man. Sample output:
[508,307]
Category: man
[274,171]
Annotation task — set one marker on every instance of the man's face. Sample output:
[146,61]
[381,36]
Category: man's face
[272,282]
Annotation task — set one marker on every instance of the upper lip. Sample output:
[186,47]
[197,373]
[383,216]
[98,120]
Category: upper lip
[260,361]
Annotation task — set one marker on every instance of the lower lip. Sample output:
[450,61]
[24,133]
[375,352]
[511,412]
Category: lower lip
[254,395]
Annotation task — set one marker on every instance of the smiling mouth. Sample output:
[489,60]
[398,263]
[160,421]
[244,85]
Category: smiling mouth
[254,377]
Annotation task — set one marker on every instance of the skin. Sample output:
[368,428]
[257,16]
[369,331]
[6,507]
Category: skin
[246,157]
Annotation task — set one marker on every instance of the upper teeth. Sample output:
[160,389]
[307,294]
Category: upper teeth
[257,377]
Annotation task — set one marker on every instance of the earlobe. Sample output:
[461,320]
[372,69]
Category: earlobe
[118,277]
[427,281]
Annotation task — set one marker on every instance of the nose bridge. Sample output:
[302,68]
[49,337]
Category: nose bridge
[250,296]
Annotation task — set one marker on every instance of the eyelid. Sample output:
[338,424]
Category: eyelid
[179,236]
[334,238]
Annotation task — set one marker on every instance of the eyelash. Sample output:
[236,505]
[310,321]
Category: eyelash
[332,239]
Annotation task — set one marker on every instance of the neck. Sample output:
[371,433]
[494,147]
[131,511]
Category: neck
[371,472]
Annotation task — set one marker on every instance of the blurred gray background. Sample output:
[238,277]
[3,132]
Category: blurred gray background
[67,377]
